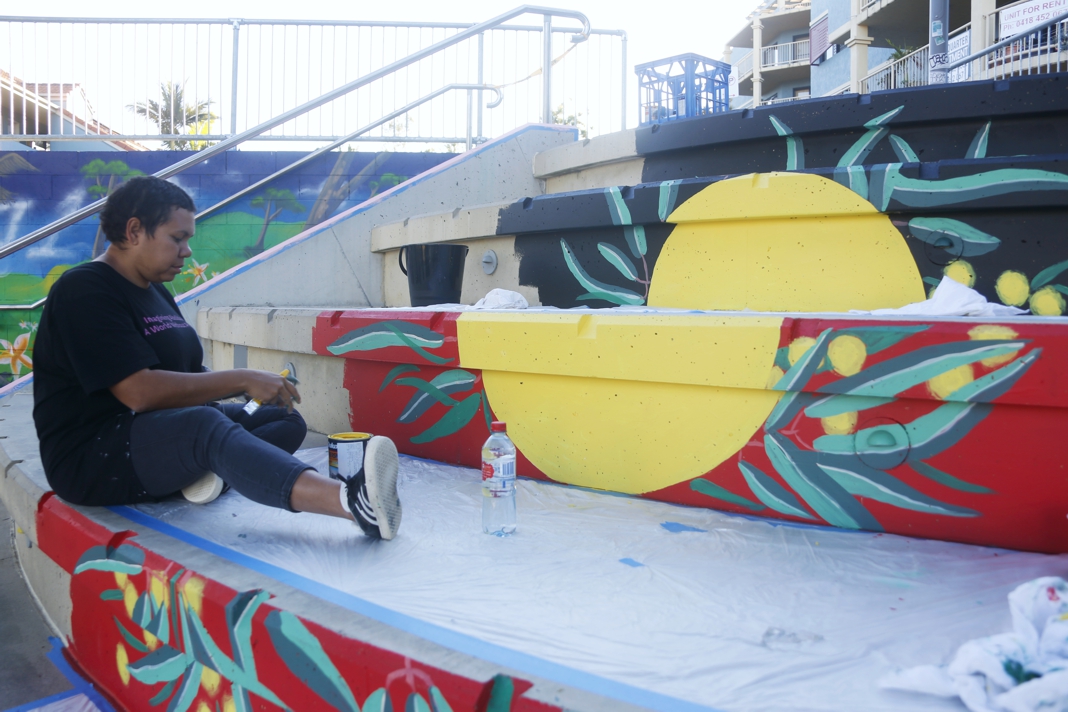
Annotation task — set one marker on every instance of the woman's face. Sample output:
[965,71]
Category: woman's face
[161,257]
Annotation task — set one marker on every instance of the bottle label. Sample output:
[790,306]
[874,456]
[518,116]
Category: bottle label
[501,468]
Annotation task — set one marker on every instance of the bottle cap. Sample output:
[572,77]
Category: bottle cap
[499,426]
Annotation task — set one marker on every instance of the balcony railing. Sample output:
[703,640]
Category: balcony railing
[908,71]
[181,82]
[784,55]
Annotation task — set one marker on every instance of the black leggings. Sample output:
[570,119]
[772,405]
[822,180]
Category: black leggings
[171,449]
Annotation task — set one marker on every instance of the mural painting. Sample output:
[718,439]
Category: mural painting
[852,422]
[39,187]
[154,635]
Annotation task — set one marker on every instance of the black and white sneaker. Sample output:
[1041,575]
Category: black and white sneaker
[372,496]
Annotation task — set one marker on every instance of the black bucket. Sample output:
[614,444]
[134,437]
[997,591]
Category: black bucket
[435,273]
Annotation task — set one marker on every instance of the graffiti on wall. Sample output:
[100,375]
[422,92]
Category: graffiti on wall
[39,187]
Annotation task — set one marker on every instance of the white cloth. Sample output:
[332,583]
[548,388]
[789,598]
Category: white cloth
[1022,671]
[951,298]
[502,299]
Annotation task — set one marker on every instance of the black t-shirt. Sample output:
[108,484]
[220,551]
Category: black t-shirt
[97,328]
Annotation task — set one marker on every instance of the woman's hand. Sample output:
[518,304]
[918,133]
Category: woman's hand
[149,389]
[270,388]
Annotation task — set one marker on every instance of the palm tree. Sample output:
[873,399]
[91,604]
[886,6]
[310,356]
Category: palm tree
[172,115]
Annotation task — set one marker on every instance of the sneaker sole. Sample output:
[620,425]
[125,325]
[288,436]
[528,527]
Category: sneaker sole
[380,466]
[206,489]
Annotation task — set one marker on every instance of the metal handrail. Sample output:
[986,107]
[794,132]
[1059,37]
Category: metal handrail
[23,307]
[330,147]
[200,157]
[1005,43]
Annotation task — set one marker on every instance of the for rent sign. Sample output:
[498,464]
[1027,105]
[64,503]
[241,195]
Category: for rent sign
[1014,20]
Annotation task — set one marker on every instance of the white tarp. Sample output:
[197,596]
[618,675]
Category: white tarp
[694,605]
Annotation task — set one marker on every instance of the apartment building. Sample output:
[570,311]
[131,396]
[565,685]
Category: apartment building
[827,47]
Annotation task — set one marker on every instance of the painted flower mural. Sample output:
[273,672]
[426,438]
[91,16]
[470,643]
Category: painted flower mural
[13,353]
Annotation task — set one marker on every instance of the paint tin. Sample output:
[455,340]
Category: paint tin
[346,454]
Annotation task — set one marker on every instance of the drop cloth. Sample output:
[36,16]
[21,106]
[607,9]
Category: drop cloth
[697,606]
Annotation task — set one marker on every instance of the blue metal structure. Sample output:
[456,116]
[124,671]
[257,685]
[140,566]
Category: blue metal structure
[680,87]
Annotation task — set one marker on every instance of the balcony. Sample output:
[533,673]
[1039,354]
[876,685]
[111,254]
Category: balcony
[784,55]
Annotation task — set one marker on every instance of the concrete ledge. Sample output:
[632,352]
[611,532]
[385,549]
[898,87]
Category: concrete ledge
[610,148]
[460,224]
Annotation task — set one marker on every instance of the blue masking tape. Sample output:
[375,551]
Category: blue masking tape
[428,631]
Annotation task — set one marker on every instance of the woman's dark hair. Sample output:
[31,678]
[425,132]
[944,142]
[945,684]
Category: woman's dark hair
[147,198]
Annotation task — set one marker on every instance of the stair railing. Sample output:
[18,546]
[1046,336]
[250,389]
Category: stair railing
[547,12]
[369,127]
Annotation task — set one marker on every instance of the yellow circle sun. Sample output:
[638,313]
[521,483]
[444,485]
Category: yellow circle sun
[637,402]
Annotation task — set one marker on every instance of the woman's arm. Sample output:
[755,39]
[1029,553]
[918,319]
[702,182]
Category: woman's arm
[149,389]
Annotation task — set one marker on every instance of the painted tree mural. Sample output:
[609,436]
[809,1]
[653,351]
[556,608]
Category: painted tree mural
[273,202]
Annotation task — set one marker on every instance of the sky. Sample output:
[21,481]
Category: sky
[703,28]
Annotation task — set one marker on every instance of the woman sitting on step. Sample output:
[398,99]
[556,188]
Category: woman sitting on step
[125,411]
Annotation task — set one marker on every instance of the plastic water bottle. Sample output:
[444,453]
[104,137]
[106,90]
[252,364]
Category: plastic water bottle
[498,482]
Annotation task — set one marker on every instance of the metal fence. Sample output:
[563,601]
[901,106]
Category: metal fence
[1040,49]
[186,82]
[784,55]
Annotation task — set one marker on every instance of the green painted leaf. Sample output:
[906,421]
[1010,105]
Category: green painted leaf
[977,149]
[437,390]
[598,290]
[239,613]
[772,493]
[891,377]
[502,689]
[131,640]
[996,383]
[242,703]
[836,405]
[142,610]
[618,260]
[161,665]
[438,703]
[825,496]
[163,694]
[396,371]
[782,358]
[883,119]
[880,338]
[487,411]
[416,703]
[112,594]
[932,281]
[859,151]
[378,701]
[385,334]
[159,626]
[711,489]
[795,149]
[947,480]
[884,445]
[863,481]
[306,659]
[920,193]
[456,418]
[787,409]
[126,559]
[1048,275]
[904,151]
[943,427]
[1060,288]
[963,239]
[669,192]
[636,240]
[617,207]
[853,177]
[187,689]
[797,377]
